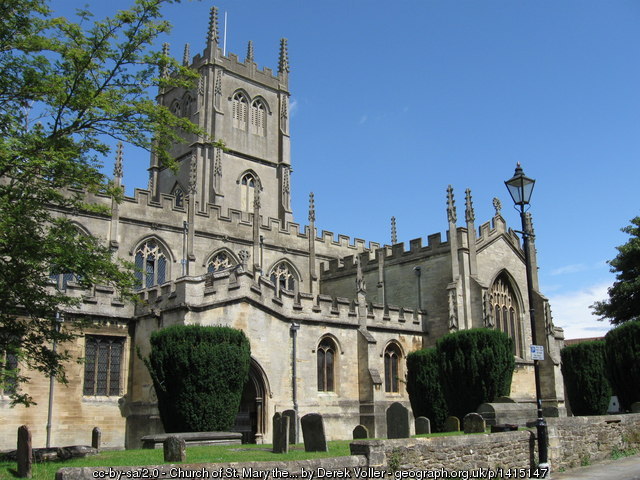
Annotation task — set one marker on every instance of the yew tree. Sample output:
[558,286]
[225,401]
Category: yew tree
[67,91]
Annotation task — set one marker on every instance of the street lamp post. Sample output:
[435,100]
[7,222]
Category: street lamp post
[520,188]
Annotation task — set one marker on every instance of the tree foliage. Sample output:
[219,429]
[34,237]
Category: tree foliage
[423,386]
[198,373]
[623,304]
[476,366]
[585,378]
[622,351]
[66,90]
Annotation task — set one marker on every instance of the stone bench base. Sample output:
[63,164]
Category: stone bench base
[194,438]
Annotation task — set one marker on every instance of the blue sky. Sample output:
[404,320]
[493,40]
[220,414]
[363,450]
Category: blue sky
[394,101]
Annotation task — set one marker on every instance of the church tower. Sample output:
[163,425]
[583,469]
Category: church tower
[248,110]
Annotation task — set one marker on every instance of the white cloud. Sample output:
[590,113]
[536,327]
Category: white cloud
[575,268]
[571,311]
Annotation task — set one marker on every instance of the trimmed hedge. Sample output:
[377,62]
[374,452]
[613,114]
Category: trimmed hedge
[199,374]
[585,378]
[476,366]
[423,386]
[622,352]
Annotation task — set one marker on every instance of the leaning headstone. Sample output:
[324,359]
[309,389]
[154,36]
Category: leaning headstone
[24,453]
[175,449]
[473,423]
[96,438]
[360,432]
[313,433]
[397,421]
[280,433]
[635,407]
[452,424]
[423,425]
[293,424]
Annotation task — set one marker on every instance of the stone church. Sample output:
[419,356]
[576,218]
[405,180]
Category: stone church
[330,321]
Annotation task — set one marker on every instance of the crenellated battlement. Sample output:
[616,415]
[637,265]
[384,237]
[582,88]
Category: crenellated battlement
[212,290]
[489,231]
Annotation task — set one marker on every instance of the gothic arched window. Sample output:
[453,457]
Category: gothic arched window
[258,117]
[179,194]
[151,265]
[175,108]
[326,355]
[219,262]
[504,306]
[187,106]
[240,107]
[248,185]
[392,368]
[283,277]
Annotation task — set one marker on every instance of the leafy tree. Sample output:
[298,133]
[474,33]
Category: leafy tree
[423,386]
[622,351]
[476,366]
[198,373]
[585,377]
[66,89]
[623,304]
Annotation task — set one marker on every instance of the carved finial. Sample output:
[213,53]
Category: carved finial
[117,167]
[164,72]
[212,34]
[312,208]
[250,52]
[451,205]
[193,168]
[497,204]
[469,214]
[283,63]
[361,286]
[186,56]
[394,232]
[529,225]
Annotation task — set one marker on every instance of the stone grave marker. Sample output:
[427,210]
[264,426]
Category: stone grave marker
[96,438]
[360,432]
[473,423]
[452,424]
[280,433]
[397,421]
[293,424]
[313,433]
[175,449]
[423,425]
[24,453]
[635,407]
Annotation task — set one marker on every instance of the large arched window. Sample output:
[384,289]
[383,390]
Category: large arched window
[258,118]
[219,262]
[176,108]
[392,356]
[248,185]
[284,277]
[240,110]
[504,307]
[187,105]
[151,265]
[326,355]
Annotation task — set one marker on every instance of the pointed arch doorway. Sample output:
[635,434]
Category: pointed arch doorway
[251,419]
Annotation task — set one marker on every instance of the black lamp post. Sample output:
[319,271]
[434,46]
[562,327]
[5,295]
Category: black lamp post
[520,188]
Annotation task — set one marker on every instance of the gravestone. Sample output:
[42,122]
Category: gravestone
[24,453]
[635,407]
[96,438]
[293,424]
[175,449]
[423,425]
[452,424]
[280,433]
[473,423]
[313,433]
[397,421]
[360,432]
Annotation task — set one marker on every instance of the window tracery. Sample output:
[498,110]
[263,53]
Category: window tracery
[506,312]
[220,262]
[258,118]
[283,277]
[326,354]
[240,107]
[151,265]
[392,368]
[248,185]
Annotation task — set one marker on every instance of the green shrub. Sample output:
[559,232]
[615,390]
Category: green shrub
[622,352]
[198,373]
[423,386]
[585,378]
[476,367]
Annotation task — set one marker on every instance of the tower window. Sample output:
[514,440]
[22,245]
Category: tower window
[179,194]
[258,118]
[240,107]
[326,354]
[248,185]
[391,369]
[151,265]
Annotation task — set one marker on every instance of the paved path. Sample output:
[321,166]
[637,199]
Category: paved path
[622,469]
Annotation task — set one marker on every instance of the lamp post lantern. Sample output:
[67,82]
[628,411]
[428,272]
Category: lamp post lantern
[520,188]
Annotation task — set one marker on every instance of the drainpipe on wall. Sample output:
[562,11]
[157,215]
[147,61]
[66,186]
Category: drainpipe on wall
[294,384]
